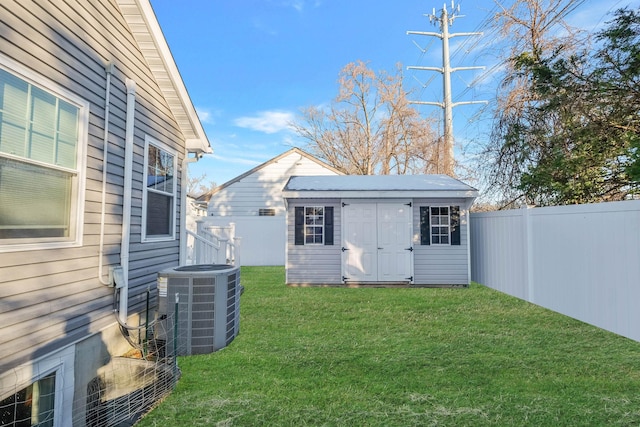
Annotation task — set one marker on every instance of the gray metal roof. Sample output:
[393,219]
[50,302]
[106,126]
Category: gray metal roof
[377,186]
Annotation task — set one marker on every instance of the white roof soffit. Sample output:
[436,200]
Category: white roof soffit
[146,30]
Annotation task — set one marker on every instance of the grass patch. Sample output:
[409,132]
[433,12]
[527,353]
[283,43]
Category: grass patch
[404,357]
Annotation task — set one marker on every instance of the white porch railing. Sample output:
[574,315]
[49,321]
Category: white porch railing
[213,245]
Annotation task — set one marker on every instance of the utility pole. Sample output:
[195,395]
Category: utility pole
[444,21]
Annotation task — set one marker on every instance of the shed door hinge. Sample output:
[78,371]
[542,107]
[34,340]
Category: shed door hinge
[344,249]
[408,204]
[409,249]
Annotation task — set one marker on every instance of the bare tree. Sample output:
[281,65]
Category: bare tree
[534,30]
[199,185]
[370,128]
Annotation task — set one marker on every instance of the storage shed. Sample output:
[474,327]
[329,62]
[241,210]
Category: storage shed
[378,229]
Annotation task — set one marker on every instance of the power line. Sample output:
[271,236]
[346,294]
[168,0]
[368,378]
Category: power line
[444,20]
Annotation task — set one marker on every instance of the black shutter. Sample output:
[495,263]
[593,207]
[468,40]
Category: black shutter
[328,225]
[455,225]
[425,227]
[299,225]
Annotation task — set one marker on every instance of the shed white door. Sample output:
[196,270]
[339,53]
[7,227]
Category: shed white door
[375,241]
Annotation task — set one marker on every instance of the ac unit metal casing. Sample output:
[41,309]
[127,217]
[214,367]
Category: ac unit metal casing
[208,312]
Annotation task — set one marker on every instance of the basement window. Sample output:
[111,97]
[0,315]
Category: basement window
[31,406]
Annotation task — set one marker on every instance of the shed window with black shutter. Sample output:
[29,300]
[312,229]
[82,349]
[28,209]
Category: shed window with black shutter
[313,225]
[440,225]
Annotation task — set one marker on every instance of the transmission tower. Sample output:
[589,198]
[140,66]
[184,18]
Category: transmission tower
[444,21]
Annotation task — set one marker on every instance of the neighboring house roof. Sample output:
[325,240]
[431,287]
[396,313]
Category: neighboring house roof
[144,26]
[377,186]
[206,197]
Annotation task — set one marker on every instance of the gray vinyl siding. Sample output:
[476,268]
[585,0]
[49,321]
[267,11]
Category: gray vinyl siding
[314,264]
[263,188]
[440,264]
[50,298]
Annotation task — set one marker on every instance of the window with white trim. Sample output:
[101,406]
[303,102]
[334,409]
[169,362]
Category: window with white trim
[159,197]
[314,225]
[440,223]
[31,406]
[42,143]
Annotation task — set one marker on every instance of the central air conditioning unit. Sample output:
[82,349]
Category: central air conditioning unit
[207,317]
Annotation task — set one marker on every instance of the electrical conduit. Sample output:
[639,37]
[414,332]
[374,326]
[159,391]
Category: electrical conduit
[107,100]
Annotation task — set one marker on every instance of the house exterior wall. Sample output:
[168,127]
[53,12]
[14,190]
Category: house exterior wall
[263,188]
[263,237]
[432,264]
[51,299]
[313,264]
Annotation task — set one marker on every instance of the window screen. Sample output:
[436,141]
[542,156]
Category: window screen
[160,192]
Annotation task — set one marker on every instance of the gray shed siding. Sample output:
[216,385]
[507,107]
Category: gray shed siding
[432,264]
[50,298]
[314,264]
[440,264]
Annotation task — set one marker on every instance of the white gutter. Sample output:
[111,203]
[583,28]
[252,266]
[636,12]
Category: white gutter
[126,203]
[183,204]
[109,69]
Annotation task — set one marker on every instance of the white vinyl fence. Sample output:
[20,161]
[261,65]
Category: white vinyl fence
[582,260]
[263,237]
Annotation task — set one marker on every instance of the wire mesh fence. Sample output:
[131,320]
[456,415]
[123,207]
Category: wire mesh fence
[197,318]
[129,386]
[123,388]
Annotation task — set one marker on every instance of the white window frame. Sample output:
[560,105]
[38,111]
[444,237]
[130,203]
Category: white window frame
[62,364]
[148,140]
[306,226]
[76,208]
[432,225]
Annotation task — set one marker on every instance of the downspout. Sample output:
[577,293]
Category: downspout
[105,142]
[126,203]
[183,205]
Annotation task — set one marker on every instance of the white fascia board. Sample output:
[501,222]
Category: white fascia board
[173,88]
[198,146]
[393,194]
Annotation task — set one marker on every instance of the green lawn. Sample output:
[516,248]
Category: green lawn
[404,357]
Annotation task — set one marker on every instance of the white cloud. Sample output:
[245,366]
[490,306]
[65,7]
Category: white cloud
[207,116]
[267,121]
[297,5]
[204,116]
[300,5]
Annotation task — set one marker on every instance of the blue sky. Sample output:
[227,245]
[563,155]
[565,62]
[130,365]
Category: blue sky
[251,65]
